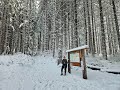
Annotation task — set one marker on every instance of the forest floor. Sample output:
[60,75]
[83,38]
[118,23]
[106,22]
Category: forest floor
[23,72]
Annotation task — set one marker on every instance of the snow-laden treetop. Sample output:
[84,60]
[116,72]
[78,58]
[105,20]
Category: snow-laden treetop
[78,48]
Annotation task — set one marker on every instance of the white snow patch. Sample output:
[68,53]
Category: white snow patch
[21,25]
[12,27]
[23,72]
[25,21]
[104,65]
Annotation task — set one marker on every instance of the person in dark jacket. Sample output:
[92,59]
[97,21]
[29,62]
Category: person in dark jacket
[64,66]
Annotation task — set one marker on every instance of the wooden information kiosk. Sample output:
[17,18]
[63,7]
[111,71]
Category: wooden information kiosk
[79,53]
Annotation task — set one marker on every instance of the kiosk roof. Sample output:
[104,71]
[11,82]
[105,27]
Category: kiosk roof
[78,48]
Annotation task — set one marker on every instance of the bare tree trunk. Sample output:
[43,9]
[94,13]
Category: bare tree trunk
[93,35]
[116,22]
[89,28]
[109,34]
[75,25]
[103,40]
[85,23]
[3,28]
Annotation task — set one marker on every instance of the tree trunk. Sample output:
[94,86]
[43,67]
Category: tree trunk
[93,35]
[103,40]
[75,25]
[116,22]
[89,28]
[85,23]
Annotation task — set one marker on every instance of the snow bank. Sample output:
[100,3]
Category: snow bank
[112,66]
[18,58]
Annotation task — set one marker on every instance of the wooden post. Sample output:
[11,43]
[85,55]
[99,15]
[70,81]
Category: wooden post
[80,57]
[84,64]
[69,68]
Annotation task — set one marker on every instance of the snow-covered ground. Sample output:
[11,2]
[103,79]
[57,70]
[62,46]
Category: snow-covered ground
[22,72]
[110,65]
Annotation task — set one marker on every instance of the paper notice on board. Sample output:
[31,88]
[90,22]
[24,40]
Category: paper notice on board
[74,57]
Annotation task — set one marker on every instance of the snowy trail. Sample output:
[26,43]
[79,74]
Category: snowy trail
[44,74]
